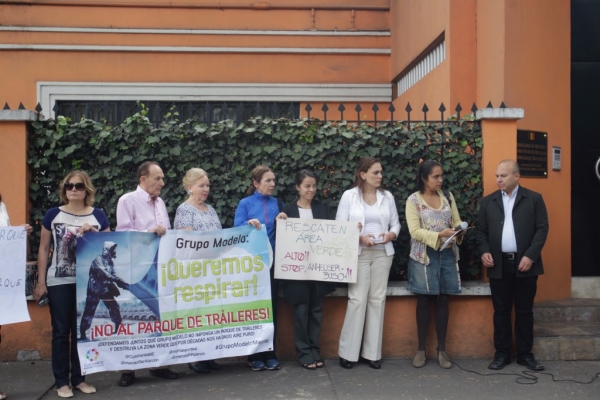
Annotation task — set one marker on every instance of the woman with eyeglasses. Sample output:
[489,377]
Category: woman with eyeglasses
[60,227]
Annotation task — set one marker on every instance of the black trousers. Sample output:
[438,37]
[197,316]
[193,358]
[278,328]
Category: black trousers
[506,292]
[308,318]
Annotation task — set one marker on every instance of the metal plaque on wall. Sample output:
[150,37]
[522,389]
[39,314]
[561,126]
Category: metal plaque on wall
[532,153]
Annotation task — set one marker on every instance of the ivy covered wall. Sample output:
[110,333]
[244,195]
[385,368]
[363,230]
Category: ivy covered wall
[111,155]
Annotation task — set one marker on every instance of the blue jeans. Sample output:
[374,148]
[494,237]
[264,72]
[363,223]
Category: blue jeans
[63,314]
[440,276]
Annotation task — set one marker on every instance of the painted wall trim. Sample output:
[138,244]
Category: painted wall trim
[17,115]
[199,5]
[189,49]
[500,113]
[49,92]
[54,29]
[427,63]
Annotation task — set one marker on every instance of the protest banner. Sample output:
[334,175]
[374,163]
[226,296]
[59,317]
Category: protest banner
[315,249]
[13,259]
[185,297]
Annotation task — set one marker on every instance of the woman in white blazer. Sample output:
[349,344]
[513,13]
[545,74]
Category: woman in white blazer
[375,211]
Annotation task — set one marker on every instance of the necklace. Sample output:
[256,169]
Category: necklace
[304,208]
[74,214]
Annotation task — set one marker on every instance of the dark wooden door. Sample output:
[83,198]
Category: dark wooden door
[585,137]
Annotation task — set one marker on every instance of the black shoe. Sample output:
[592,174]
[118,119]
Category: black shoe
[531,364]
[199,367]
[164,373]
[499,362]
[211,364]
[345,363]
[127,379]
[373,364]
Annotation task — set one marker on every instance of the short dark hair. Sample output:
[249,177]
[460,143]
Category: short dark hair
[144,168]
[424,171]
[303,174]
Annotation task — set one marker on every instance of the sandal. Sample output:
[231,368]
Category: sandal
[320,363]
[2,395]
[311,366]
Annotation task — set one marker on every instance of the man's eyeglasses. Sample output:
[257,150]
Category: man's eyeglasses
[77,186]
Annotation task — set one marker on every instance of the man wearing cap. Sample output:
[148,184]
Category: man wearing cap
[144,211]
[511,231]
[102,285]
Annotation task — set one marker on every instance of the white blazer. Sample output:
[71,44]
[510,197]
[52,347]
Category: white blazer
[352,208]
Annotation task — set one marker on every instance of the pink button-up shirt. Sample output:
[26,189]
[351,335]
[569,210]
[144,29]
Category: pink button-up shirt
[135,212]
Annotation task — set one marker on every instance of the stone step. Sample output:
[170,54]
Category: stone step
[568,310]
[567,340]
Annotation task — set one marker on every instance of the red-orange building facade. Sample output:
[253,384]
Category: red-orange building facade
[361,51]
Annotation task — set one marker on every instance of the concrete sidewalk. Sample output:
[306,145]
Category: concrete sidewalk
[396,380]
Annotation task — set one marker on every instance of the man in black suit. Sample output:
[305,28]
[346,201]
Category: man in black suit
[511,231]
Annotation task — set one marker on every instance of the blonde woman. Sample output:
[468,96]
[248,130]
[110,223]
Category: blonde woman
[195,215]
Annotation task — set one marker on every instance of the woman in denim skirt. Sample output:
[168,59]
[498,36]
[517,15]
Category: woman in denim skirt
[431,216]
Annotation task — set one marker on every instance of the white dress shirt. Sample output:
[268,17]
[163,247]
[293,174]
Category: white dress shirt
[509,240]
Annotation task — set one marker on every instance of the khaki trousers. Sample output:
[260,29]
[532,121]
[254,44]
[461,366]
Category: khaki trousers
[366,305]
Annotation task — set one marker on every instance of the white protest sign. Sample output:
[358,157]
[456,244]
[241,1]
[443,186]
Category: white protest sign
[13,257]
[317,250]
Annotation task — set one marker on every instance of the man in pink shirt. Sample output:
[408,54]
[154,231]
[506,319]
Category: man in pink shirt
[144,211]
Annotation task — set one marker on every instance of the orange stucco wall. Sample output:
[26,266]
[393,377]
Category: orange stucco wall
[23,68]
[512,51]
[538,70]
[513,66]
[415,25]
[491,49]
[495,50]
[400,329]
[13,170]
[470,317]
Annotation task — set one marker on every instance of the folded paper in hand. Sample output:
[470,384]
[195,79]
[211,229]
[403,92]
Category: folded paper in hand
[449,241]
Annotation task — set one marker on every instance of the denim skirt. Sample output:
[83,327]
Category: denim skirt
[439,277]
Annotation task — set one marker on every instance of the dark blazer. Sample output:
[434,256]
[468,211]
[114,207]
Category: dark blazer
[297,292]
[530,220]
